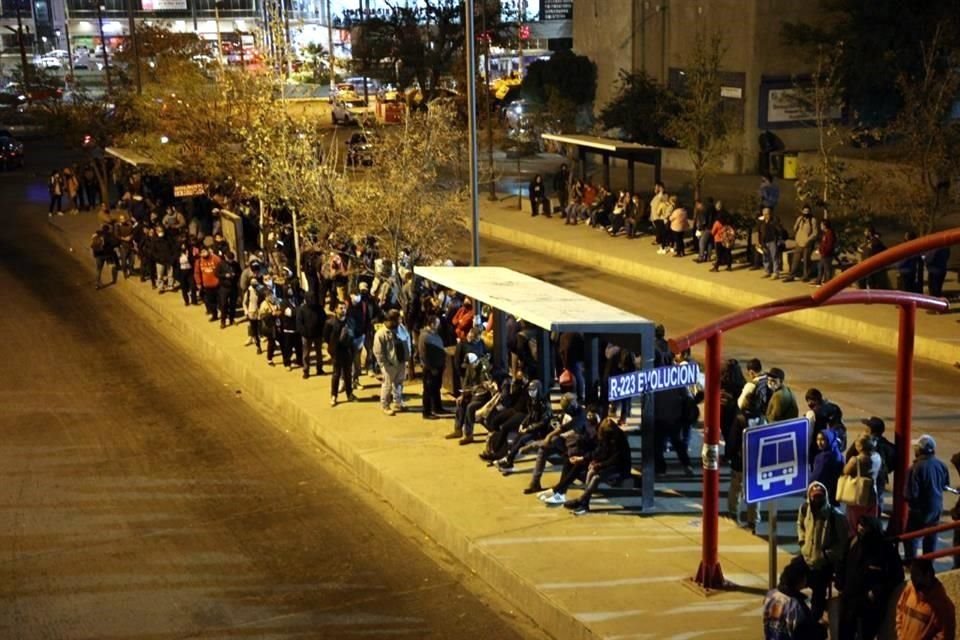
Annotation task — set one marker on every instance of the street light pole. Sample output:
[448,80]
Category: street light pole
[472,121]
[135,46]
[24,69]
[216,17]
[330,58]
[487,102]
[103,47]
[66,33]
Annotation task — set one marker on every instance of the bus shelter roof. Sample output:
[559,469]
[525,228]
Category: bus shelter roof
[130,156]
[539,303]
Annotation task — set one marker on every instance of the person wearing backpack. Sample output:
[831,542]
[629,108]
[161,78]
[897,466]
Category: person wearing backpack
[103,246]
[822,534]
[392,355]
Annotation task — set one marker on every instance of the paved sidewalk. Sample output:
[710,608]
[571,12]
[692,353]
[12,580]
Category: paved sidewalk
[938,336]
[616,573]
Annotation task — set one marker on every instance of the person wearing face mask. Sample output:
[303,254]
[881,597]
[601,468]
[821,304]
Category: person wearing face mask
[364,311]
[822,534]
[783,405]
[184,273]
[433,357]
[535,425]
[205,276]
[268,313]
[806,232]
[924,610]
[822,414]
[228,273]
[291,346]
[164,255]
[339,335]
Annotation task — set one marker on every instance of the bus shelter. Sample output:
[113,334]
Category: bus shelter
[554,310]
[608,148]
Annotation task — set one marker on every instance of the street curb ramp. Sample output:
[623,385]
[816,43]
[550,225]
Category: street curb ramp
[523,595]
[818,320]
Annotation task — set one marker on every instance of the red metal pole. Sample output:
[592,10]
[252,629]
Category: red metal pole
[710,575]
[904,413]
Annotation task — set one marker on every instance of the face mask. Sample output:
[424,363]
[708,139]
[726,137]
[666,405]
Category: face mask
[356,298]
[773,384]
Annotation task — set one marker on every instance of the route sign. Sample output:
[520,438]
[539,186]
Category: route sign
[775,460]
[637,383]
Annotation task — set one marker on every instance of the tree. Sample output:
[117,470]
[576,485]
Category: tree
[879,38]
[931,139]
[702,126]
[569,75]
[641,109]
[408,202]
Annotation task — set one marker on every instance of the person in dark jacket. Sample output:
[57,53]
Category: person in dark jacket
[103,244]
[291,347]
[433,357]
[823,414]
[572,353]
[339,334]
[534,426]
[561,186]
[165,257]
[670,416]
[310,321]
[536,193]
[828,463]
[869,574]
[610,463]
[924,494]
[910,270]
[228,272]
[144,236]
[936,264]
[828,251]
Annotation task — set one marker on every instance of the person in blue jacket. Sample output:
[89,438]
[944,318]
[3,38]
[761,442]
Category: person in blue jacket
[925,484]
[828,463]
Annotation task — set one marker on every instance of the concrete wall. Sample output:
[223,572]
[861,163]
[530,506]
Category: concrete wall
[602,31]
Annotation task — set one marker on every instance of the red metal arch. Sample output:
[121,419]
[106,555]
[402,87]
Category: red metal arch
[710,575]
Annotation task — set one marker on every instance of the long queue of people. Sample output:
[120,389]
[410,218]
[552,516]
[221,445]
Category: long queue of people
[361,315]
[710,233]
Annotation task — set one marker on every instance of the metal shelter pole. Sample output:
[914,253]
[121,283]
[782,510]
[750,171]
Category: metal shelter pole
[648,440]
[710,575]
[904,413]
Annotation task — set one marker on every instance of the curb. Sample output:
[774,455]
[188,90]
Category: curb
[838,325]
[523,595]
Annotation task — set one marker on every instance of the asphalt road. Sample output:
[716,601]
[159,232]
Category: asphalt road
[142,499]
[858,378]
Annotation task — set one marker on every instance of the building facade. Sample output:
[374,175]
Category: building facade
[655,36]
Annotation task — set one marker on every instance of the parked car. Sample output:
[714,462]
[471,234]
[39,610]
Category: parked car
[351,112]
[344,91]
[48,62]
[359,149]
[11,151]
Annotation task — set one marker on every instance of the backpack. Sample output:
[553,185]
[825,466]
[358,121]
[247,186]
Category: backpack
[400,346]
[97,243]
[728,236]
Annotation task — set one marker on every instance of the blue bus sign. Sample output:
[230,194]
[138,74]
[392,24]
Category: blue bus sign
[775,460]
[637,383]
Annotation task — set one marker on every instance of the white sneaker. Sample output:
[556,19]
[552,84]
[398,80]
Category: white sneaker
[660,252]
[543,495]
[556,499]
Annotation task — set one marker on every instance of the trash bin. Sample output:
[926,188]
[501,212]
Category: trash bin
[789,165]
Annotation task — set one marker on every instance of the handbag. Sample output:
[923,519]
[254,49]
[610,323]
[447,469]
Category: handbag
[566,380]
[855,490]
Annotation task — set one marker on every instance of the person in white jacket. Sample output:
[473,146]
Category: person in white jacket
[252,298]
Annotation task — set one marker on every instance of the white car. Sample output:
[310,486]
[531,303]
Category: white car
[60,54]
[48,62]
[355,111]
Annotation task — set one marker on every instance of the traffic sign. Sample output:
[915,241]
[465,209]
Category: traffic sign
[637,383]
[775,460]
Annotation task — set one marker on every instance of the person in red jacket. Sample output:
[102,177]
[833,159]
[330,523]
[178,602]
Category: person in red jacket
[205,275]
[463,319]
[828,250]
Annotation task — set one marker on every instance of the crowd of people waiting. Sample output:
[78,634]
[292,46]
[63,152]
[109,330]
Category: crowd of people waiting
[363,315]
[710,233]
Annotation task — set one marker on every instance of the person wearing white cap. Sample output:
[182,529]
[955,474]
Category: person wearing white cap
[926,481]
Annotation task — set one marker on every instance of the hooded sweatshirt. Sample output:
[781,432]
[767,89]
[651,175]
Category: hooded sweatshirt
[822,534]
[925,615]
[828,463]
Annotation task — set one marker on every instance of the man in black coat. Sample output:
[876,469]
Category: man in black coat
[338,333]
[433,357]
[228,272]
[310,322]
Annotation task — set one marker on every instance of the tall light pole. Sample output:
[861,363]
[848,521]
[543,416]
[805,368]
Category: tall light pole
[216,17]
[487,101]
[330,57]
[66,33]
[134,46]
[472,121]
[103,47]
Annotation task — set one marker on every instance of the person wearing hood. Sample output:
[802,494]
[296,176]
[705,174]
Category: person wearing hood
[924,610]
[786,614]
[250,271]
[868,576]
[252,299]
[822,536]
[926,481]
[828,463]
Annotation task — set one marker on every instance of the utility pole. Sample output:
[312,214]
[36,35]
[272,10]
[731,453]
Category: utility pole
[216,17]
[522,6]
[472,121]
[24,68]
[66,33]
[135,46]
[366,90]
[330,57]
[103,47]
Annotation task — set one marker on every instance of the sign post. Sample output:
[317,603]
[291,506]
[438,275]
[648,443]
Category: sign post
[775,466]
